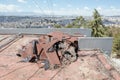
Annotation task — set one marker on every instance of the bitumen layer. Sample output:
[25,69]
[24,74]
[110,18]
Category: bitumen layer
[90,65]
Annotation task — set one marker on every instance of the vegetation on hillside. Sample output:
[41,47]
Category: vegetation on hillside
[115,33]
[98,29]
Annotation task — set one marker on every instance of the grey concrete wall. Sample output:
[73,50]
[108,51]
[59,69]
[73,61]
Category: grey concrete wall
[102,43]
[71,31]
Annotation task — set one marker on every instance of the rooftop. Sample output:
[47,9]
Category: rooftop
[91,65]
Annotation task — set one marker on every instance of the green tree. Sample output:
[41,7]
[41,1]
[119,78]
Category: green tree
[112,31]
[116,44]
[79,22]
[115,33]
[97,26]
[57,26]
[69,26]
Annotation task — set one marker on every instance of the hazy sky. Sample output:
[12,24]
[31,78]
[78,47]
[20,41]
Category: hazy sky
[61,7]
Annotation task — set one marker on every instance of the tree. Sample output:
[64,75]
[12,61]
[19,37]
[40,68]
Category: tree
[57,26]
[116,44]
[97,26]
[115,33]
[79,22]
[69,26]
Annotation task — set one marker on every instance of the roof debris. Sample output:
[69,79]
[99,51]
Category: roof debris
[91,65]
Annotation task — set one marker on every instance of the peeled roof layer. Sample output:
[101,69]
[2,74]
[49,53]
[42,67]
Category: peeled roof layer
[91,65]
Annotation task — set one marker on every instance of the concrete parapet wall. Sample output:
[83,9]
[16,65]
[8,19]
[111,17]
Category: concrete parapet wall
[71,31]
[102,43]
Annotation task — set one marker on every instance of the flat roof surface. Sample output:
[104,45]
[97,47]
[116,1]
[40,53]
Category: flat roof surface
[91,65]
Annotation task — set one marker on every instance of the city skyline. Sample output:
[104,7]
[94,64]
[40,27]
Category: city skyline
[59,7]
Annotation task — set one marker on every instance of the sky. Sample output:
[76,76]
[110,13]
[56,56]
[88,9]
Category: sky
[59,7]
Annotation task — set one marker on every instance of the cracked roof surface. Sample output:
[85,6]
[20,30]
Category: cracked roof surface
[91,65]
